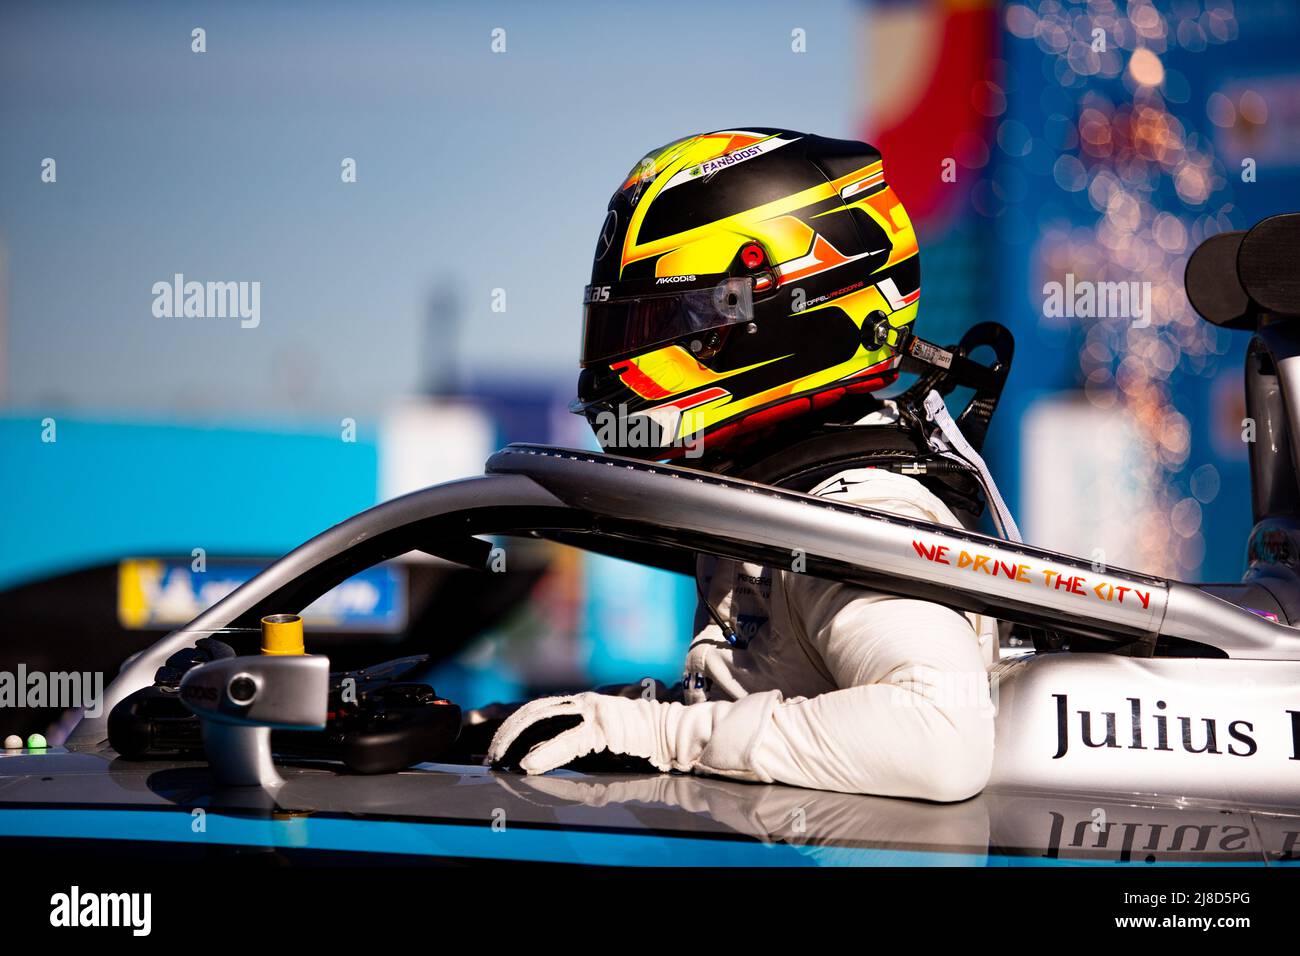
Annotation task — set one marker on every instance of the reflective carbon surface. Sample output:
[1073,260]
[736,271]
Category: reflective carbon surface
[449,813]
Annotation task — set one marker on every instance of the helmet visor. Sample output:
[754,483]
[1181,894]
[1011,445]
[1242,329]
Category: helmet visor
[632,317]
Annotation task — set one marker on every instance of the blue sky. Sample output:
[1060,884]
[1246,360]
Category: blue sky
[486,170]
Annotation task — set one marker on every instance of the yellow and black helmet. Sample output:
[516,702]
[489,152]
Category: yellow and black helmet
[743,277]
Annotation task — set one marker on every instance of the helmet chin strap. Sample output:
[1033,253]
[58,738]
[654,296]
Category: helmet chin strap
[948,442]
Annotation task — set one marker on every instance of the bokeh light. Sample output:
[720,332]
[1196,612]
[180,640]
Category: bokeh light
[1157,191]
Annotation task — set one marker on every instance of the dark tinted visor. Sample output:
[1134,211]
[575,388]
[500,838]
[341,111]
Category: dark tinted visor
[648,314]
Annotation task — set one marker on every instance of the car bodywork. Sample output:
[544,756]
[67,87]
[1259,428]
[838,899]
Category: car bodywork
[1156,745]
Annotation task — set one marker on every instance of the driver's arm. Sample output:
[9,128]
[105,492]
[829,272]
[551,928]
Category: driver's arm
[912,718]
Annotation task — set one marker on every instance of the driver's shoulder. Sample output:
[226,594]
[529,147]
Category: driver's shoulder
[887,491]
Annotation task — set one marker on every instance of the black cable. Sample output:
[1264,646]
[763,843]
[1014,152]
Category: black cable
[729,633]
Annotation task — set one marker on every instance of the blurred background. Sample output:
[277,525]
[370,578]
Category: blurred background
[417,318]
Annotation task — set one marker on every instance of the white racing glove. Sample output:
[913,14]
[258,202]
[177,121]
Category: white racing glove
[553,731]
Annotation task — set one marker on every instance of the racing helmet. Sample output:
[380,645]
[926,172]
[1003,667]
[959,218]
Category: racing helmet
[740,278]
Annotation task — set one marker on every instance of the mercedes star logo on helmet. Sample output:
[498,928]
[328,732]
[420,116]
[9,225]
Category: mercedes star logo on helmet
[607,233]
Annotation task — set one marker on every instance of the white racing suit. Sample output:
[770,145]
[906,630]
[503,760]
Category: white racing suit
[829,686]
[842,688]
